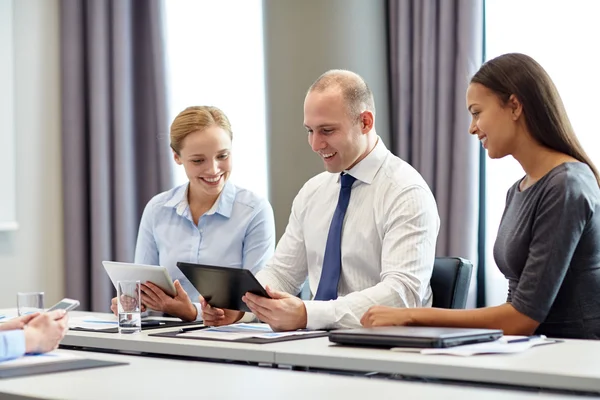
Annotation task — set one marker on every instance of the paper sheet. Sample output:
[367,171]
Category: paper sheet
[241,331]
[500,346]
[86,322]
[91,322]
[5,317]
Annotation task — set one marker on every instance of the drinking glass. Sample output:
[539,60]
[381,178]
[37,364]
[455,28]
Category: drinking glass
[129,304]
[30,302]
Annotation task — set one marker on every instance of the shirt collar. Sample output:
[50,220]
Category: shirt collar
[223,205]
[178,200]
[367,168]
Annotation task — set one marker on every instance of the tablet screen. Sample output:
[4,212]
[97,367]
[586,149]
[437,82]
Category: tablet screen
[222,287]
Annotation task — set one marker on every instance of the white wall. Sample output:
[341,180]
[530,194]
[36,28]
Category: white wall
[31,258]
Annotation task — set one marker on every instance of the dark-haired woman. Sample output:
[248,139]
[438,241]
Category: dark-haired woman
[548,243]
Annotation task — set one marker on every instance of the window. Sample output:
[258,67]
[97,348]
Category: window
[215,57]
[563,37]
[8,206]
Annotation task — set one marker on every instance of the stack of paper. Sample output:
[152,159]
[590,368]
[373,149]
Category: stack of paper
[242,331]
[504,345]
[91,322]
[8,316]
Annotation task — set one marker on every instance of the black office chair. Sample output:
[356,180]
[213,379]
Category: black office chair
[450,282]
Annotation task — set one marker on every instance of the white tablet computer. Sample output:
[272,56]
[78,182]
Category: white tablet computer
[118,271]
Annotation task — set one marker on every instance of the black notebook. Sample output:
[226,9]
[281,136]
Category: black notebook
[413,336]
[61,366]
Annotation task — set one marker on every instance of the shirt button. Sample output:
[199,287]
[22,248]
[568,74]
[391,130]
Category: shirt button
[201,230]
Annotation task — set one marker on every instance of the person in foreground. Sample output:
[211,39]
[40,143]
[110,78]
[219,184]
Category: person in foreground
[364,231]
[548,243]
[206,221]
[33,333]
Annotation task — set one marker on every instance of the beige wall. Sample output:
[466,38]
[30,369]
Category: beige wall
[303,39]
[31,258]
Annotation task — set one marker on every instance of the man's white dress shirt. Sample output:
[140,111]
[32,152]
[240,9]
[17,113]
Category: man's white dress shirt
[388,241]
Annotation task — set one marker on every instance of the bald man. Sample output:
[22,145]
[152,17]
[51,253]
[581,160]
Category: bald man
[363,232]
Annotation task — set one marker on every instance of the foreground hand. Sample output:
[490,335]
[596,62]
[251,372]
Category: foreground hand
[18,323]
[44,332]
[179,306]
[283,312]
[128,301]
[385,316]
[213,316]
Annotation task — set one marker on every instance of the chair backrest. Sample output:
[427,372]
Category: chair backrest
[450,282]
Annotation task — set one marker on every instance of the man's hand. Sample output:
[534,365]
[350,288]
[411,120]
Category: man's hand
[386,316]
[217,316]
[283,312]
[44,332]
[18,323]
[179,305]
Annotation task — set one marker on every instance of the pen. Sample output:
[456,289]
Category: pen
[192,328]
[526,339]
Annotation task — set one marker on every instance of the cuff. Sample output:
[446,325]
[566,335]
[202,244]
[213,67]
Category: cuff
[14,343]
[248,317]
[199,310]
[319,314]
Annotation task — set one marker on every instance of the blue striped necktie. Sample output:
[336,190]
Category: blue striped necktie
[332,261]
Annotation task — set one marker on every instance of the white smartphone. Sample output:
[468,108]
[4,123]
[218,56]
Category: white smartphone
[65,304]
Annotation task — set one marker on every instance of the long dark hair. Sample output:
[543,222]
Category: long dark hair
[545,114]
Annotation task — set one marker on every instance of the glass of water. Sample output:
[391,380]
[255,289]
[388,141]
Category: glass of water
[30,302]
[129,303]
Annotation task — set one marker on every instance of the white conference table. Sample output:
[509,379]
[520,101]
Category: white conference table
[157,378]
[143,343]
[572,365]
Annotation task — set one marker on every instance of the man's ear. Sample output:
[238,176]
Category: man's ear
[515,106]
[366,121]
[176,157]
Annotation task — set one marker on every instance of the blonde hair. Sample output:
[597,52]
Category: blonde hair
[196,118]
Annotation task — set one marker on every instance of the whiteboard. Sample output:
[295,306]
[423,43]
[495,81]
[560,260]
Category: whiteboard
[8,212]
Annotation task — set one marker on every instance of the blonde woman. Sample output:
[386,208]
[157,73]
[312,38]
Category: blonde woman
[208,220]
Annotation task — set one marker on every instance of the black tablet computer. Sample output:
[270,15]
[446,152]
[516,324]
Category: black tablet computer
[222,287]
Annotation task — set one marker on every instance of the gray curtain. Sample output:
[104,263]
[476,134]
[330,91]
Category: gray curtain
[435,47]
[115,134]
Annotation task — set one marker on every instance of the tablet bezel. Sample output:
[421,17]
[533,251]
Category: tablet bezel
[157,274]
[238,280]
